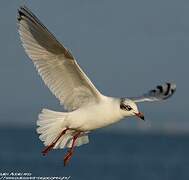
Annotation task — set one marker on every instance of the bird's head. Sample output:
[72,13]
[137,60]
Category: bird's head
[129,108]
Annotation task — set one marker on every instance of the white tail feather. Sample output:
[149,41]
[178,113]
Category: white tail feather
[51,124]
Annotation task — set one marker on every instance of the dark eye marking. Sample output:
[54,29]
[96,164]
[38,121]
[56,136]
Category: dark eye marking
[125,107]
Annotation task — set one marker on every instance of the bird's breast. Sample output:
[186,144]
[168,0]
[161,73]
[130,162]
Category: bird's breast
[95,116]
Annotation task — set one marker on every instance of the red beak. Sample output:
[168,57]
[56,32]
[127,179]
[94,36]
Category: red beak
[140,115]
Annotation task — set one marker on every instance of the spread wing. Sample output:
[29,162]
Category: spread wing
[161,92]
[55,64]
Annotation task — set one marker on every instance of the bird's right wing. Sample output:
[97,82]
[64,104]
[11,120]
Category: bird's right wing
[55,64]
[161,92]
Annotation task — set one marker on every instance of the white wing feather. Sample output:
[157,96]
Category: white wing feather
[55,64]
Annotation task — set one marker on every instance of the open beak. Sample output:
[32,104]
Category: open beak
[140,115]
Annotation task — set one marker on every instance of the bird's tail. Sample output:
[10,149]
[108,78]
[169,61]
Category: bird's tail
[51,124]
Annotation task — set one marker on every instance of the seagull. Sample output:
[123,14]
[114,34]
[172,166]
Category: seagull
[86,108]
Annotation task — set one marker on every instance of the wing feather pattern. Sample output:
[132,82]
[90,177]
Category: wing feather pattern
[55,64]
[161,92]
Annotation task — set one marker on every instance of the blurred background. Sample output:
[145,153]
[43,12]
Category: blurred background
[126,47]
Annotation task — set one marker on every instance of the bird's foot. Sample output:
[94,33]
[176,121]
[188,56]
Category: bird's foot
[47,149]
[68,157]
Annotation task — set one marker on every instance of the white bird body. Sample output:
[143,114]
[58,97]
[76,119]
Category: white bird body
[87,109]
[94,116]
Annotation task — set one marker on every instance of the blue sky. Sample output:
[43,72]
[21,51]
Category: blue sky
[125,47]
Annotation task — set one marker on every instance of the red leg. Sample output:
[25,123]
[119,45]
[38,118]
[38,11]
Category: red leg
[71,150]
[50,147]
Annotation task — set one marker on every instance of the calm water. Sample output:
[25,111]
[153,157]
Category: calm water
[108,156]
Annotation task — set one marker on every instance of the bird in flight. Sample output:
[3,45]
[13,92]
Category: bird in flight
[87,109]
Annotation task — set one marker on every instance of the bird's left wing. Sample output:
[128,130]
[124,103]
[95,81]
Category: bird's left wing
[161,92]
[55,64]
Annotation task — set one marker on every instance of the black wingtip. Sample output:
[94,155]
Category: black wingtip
[172,87]
[160,88]
[170,90]
[165,90]
[22,11]
[20,14]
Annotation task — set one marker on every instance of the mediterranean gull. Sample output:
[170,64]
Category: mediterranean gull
[87,109]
